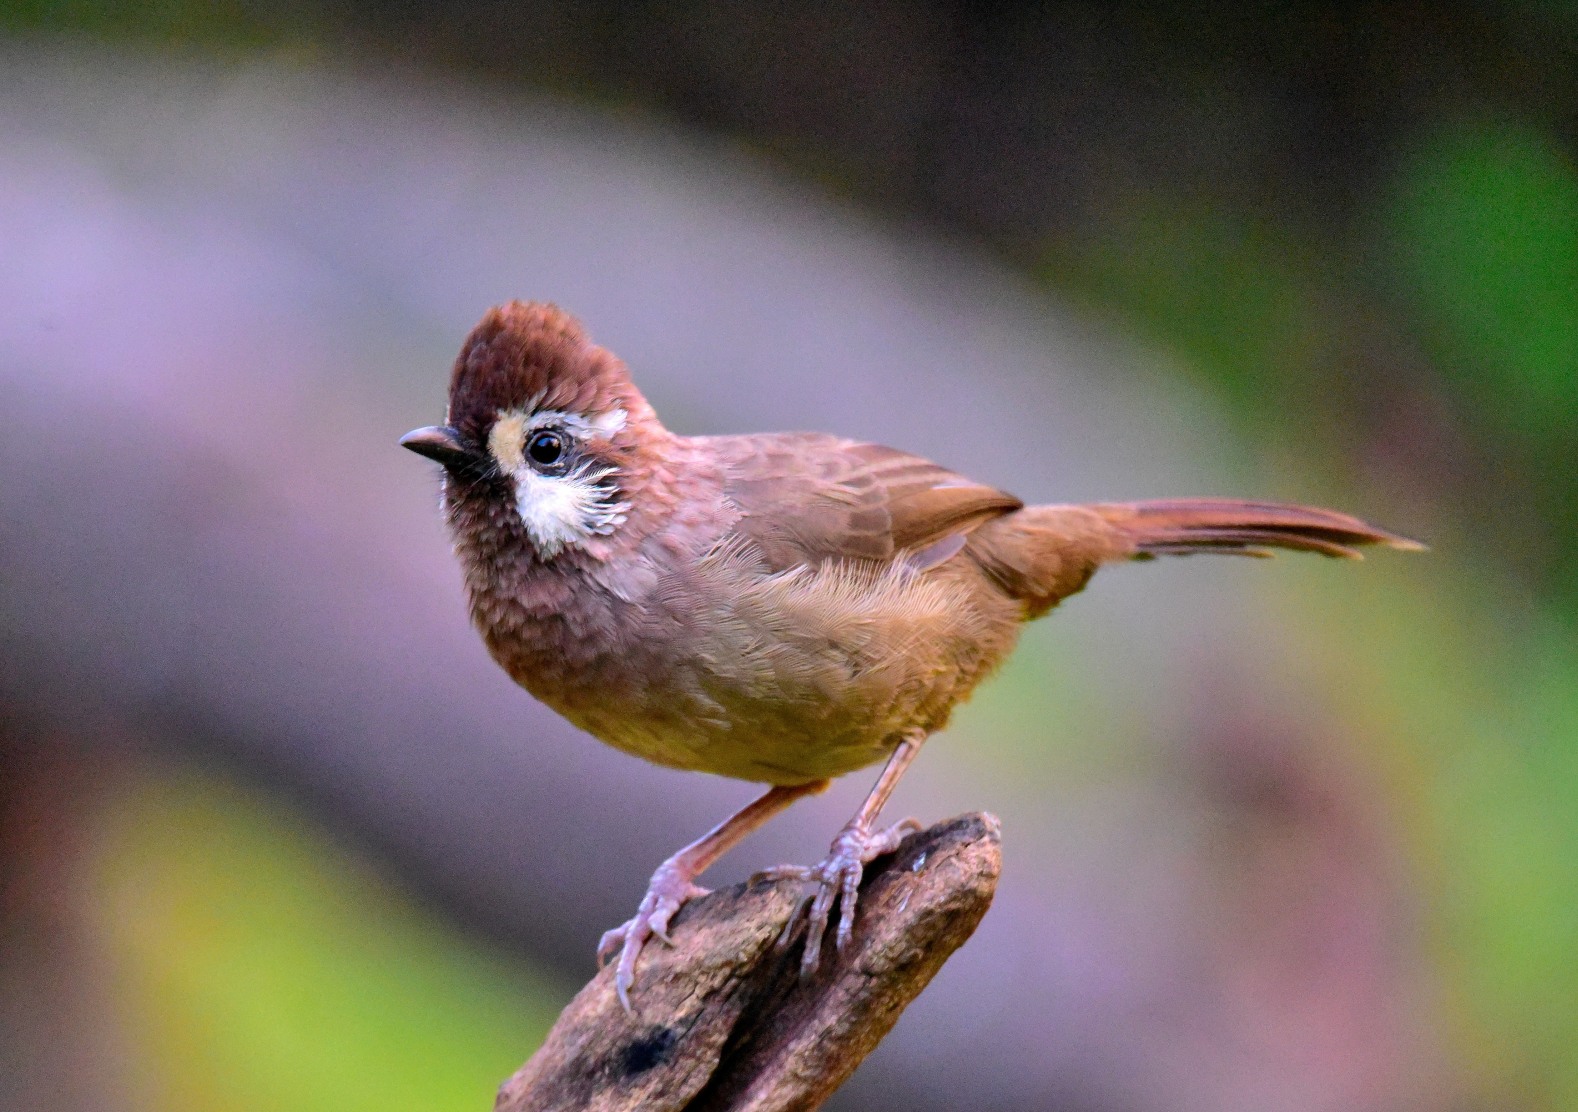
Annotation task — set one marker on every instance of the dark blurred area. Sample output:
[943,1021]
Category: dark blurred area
[275,834]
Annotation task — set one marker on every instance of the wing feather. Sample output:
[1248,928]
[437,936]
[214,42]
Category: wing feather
[805,498]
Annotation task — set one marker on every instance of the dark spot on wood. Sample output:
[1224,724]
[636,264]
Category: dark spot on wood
[649,1050]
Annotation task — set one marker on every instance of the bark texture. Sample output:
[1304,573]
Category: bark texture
[722,1019]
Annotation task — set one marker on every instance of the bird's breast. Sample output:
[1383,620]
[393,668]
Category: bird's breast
[721,665]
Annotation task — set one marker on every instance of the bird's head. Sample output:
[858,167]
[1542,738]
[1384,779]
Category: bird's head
[544,427]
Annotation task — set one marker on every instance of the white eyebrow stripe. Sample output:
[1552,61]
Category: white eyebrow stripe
[599,426]
[607,424]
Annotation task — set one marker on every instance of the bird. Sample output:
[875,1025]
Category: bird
[782,608]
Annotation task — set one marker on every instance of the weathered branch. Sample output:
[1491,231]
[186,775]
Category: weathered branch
[723,1021]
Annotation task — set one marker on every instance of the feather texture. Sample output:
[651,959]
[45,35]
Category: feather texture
[1183,526]
[807,497]
[784,606]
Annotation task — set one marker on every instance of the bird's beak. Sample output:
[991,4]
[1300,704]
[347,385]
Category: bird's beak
[438,442]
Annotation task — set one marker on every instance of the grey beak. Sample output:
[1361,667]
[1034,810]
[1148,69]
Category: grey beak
[438,442]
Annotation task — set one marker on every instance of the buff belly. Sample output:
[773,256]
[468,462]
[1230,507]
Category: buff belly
[803,675]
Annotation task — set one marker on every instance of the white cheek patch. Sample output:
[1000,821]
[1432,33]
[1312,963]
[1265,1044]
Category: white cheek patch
[559,511]
[562,510]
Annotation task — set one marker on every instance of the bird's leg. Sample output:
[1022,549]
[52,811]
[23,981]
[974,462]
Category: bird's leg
[674,881]
[838,876]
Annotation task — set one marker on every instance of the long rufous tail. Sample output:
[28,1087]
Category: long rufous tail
[1042,554]
[1182,526]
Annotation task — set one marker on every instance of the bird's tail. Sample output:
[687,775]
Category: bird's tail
[1042,554]
[1182,526]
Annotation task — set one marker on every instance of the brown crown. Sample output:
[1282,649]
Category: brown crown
[531,352]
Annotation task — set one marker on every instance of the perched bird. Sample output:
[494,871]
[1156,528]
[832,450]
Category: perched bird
[777,607]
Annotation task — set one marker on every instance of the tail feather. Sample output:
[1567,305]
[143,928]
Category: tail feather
[1043,554]
[1182,527]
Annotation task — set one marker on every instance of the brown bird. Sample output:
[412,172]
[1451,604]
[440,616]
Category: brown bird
[780,607]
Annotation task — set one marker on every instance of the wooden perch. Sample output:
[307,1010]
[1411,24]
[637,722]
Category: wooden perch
[723,1021]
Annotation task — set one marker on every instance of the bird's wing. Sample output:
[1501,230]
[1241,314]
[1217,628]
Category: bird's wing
[808,497]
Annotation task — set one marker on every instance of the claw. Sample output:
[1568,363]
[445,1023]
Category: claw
[660,917]
[802,873]
[786,936]
[670,889]
[846,910]
[674,882]
[608,944]
[837,876]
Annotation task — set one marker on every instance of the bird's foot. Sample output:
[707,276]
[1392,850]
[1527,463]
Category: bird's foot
[837,877]
[671,887]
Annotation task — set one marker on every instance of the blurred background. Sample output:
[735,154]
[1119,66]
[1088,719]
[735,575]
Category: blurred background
[1293,835]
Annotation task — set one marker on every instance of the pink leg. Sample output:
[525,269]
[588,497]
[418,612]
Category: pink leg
[674,881]
[839,873]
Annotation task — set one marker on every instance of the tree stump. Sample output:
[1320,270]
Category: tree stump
[723,1020]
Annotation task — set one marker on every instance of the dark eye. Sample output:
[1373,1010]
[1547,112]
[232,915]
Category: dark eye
[545,447]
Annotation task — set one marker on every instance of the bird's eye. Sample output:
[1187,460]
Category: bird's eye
[545,447]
